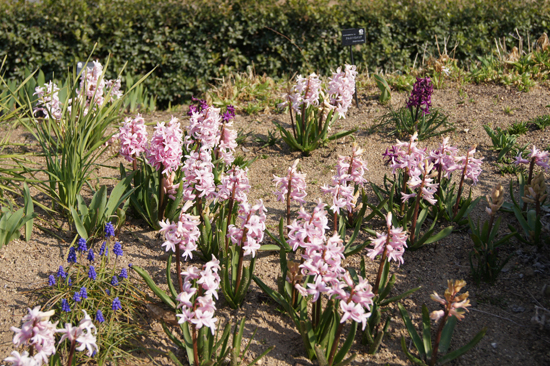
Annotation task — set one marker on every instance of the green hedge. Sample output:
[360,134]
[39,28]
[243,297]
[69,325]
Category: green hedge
[194,42]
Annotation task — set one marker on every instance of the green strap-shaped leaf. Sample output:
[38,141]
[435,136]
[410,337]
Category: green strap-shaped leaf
[418,343]
[347,344]
[169,277]
[459,352]
[413,359]
[149,281]
[78,224]
[446,335]
[426,332]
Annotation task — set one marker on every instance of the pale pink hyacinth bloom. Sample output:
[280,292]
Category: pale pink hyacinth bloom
[168,187]
[354,173]
[395,246]
[93,85]
[84,334]
[421,179]
[204,127]
[133,137]
[185,233]
[444,158]
[406,156]
[23,359]
[473,168]
[342,197]
[199,177]
[37,332]
[304,93]
[48,100]
[297,183]
[234,184]
[348,169]
[165,149]
[250,233]
[309,229]
[227,143]
[341,88]
[322,259]
[540,158]
[198,305]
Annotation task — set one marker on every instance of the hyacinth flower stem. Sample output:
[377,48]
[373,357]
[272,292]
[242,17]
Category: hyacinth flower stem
[335,222]
[178,268]
[416,207]
[318,312]
[288,203]
[71,353]
[529,179]
[439,331]
[161,194]
[335,344]
[240,265]
[382,263]
[457,204]
[230,208]
[304,111]
[195,344]
[404,189]
[292,119]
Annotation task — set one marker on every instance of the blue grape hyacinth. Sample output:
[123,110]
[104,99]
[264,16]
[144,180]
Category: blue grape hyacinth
[117,249]
[91,273]
[91,255]
[72,255]
[109,230]
[82,247]
[65,306]
[99,317]
[116,304]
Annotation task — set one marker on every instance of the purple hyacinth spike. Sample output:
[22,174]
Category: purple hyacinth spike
[421,96]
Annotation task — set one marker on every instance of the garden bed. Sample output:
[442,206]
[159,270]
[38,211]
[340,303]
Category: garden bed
[505,309]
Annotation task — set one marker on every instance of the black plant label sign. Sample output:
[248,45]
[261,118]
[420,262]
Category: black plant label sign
[353,36]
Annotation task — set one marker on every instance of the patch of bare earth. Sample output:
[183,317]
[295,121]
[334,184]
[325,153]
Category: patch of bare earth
[505,309]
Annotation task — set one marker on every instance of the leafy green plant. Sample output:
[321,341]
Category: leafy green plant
[486,249]
[503,141]
[518,128]
[270,140]
[72,138]
[392,240]
[316,110]
[424,232]
[94,283]
[508,110]
[203,346]
[139,98]
[541,122]
[529,219]
[89,220]
[436,352]
[11,222]
[217,349]
[385,90]
[403,124]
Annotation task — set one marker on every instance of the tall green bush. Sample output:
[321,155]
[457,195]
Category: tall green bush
[194,42]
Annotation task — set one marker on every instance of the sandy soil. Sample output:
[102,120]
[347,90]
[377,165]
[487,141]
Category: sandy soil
[505,309]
